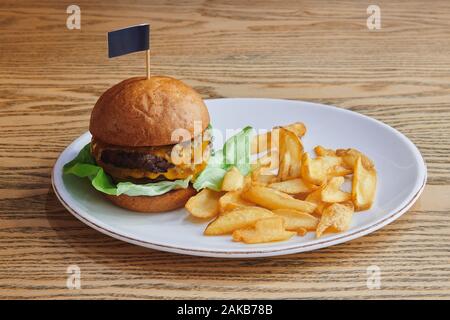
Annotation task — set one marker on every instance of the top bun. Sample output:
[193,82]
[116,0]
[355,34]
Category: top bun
[141,112]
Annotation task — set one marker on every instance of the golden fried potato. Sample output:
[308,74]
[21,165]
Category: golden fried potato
[293,186]
[265,230]
[321,151]
[269,160]
[232,200]
[364,185]
[273,199]
[335,218]
[339,171]
[316,197]
[332,192]
[236,219]
[291,150]
[334,166]
[270,140]
[233,180]
[263,176]
[349,156]
[298,128]
[261,142]
[313,170]
[295,220]
[204,204]
[318,170]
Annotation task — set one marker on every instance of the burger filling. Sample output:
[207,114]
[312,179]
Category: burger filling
[135,160]
[147,164]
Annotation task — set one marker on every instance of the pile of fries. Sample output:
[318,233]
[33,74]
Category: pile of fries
[288,192]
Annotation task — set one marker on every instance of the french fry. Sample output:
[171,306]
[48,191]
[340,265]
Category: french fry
[291,150]
[349,156]
[237,219]
[204,204]
[335,218]
[233,180]
[293,186]
[263,176]
[364,185]
[321,151]
[269,140]
[268,159]
[330,161]
[298,128]
[312,170]
[332,192]
[261,142]
[232,200]
[265,230]
[295,220]
[316,171]
[339,171]
[274,199]
[316,197]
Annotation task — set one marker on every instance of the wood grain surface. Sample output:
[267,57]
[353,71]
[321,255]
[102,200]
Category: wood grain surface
[320,51]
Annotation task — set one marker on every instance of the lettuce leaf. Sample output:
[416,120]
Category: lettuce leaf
[235,153]
[84,166]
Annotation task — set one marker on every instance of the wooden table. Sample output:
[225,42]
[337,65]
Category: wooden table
[310,50]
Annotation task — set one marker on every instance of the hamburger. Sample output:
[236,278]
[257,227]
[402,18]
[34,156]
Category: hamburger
[133,125]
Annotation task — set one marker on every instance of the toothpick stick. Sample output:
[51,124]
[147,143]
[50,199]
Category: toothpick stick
[148,63]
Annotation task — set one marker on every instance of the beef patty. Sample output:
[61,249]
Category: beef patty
[135,160]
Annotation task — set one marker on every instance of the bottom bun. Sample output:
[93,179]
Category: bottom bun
[169,201]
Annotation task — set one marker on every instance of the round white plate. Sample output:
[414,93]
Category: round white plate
[401,178]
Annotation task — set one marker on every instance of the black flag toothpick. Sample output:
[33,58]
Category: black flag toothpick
[128,40]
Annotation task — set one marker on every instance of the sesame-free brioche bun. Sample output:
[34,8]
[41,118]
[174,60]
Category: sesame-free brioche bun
[166,202]
[141,112]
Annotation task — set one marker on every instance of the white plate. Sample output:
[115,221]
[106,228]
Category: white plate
[401,179]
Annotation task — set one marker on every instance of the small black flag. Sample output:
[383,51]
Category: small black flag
[128,40]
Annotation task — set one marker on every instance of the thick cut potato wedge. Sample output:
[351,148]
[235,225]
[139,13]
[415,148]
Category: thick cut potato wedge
[321,151]
[273,199]
[269,140]
[318,170]
[263,176]
[296,220]
[237,219]
[232,200]
[291,150]
[233,180]
[349,156]
[293,186]
[364,185]
[316,197]
[335,218]
[298,128]
[204,204]
[332,191]
[313,170]
[265,230]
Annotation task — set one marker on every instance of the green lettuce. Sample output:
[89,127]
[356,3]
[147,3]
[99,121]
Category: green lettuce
[84,166]
[235,153]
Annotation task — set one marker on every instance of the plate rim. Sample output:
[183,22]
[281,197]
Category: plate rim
[325,242]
